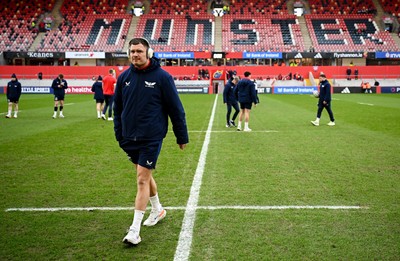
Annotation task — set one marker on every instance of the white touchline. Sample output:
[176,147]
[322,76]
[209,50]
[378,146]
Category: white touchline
[363,103]
[231,131]
[183,208]
[185,237]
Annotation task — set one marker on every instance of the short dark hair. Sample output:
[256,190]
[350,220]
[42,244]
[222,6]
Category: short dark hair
[139,40]
[247,74]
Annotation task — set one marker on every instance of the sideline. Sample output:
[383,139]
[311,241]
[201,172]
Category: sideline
[182,208]
[185,237]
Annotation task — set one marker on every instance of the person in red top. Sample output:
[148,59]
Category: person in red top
[109,82]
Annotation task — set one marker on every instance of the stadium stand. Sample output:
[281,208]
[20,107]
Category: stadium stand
[262,33]
[348,33]
[392,7]
[341,7]
[261,26]
[17,33]
[178,26]
[89,26]
[250,26]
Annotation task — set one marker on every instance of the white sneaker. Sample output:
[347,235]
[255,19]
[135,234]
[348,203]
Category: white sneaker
[227,125]
[103,117]
[315,123]
[15,116]
[8,116]
[154,217]
[61,116]
[54,116]
[110,118]
[331,123]
[239,128]
[132,238]
[247,129]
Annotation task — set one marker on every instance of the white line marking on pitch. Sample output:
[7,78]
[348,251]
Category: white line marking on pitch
[185,236]
[68,104]
[235,131]
[362,103]
[182,208]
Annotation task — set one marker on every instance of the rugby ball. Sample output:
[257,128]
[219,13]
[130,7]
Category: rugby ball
[315,94]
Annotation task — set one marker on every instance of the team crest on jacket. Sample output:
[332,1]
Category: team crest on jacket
[149,84]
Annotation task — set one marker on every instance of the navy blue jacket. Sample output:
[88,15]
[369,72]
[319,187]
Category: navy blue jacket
[59,90]
[246,91]
[97,88]
[324,91]
[143,100]
[229,94]
[14,90]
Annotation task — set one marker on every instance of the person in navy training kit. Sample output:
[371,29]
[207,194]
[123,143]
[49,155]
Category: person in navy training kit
[246,93]
[13,94]
[59,86]
[231,101]
[324,100]
[97,88]
[145,96]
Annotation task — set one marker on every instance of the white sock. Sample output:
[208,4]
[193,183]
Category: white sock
[61,113]
[137,220]
[98,114]
[9,112]
[246,125]
[54,114]
[15,113]
[239,125]
[155,203]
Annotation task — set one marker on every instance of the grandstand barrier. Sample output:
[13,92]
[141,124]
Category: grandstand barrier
[81,76]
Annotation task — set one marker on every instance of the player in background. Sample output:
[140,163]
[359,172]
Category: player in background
[97,88]
[231,101]
[109,82]
[246,93]
[59,86]
[324,100]
[13,94]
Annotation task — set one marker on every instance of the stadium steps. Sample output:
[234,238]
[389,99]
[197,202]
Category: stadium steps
[56,13]
[379,14]
[305,33]
[131,31]
[36,44]
[218,34]
[396,39]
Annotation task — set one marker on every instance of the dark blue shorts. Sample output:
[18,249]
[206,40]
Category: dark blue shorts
[144,153]
[13,100]
[99,100]
[245,105]
[58,97]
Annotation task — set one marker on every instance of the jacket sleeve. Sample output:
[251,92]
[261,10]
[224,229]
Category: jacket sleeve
[65,84]
[8,91]
[253,92]
[54,84]
[19,90]
[175,111]
[225,93]
[118,110]
[327,96]
[236,91]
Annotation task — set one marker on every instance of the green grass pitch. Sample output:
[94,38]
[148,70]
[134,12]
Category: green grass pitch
[285,161]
